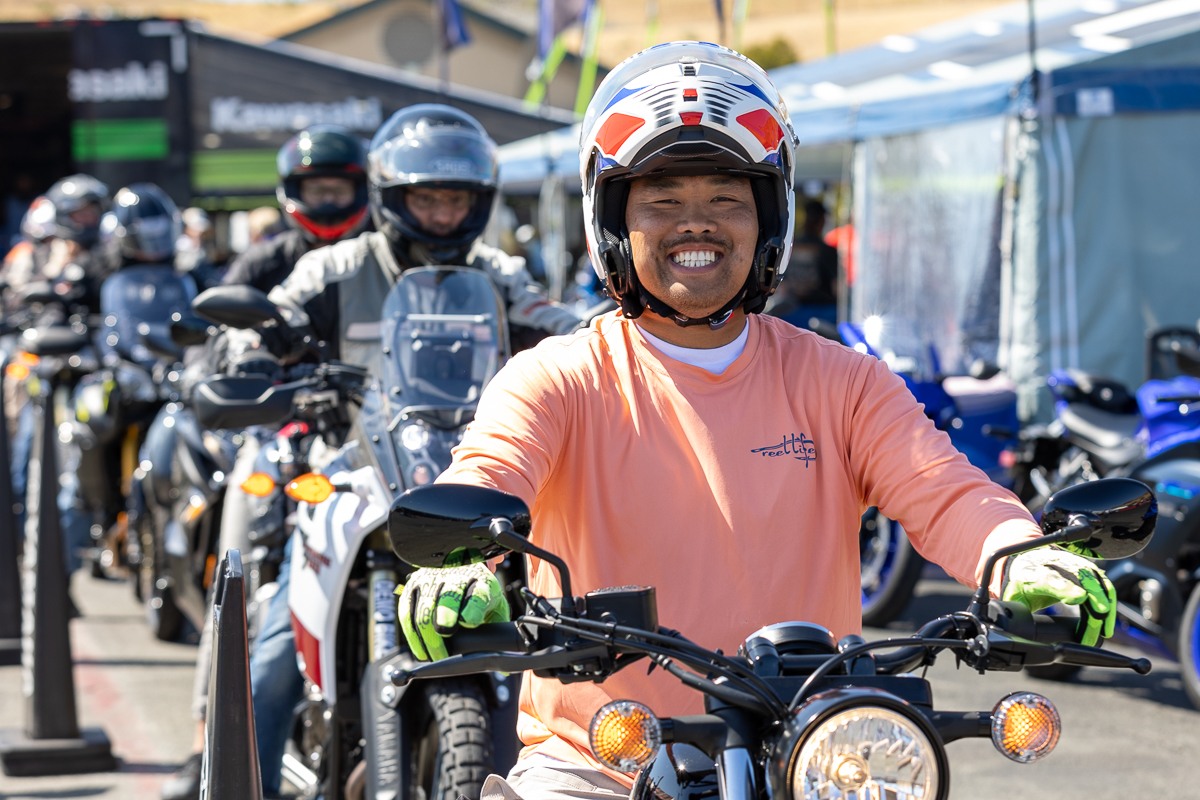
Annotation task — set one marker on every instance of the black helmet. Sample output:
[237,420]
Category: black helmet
[686,108]
[142,226]
[323,151]
[436,147]
[71,195]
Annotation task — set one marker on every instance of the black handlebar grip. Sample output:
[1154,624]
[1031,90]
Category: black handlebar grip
[1051,630]
[492,637]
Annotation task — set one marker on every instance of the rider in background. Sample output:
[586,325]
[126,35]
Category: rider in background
[695,445]
[68,258]
[432,180]
[322,190]
[432,186]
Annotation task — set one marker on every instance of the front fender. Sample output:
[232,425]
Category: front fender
[679,771]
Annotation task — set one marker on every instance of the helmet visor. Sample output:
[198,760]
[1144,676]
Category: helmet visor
[439,156]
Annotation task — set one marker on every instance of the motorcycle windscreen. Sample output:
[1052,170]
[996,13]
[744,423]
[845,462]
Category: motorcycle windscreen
[136,304]
[444,334]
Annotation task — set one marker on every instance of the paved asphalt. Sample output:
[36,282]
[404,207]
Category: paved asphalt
[1125,736]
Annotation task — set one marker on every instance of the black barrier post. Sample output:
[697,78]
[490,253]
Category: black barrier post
[230,767]
[10,577]
[52,742]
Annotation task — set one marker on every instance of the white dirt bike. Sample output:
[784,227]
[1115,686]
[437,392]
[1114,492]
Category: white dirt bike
[444,336]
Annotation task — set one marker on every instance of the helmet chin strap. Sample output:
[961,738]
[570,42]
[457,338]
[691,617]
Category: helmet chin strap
[715,320]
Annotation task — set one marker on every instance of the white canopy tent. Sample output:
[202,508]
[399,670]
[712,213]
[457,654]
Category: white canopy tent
[1035,208]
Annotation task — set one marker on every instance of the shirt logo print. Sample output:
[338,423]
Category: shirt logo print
[798,446]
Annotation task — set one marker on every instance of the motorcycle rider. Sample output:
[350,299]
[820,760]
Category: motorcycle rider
[140,229]
[322,190]
[703,431]
[431,181]
[67,219]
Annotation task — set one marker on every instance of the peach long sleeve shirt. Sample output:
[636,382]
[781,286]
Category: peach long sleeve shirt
[737,495]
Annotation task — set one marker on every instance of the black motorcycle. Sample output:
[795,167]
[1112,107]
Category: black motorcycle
[1152,434]
[795,713]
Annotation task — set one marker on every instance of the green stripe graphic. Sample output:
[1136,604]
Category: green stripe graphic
[119,139]
[233,170]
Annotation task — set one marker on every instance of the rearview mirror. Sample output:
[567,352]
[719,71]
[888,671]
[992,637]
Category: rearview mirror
[188,330]
[441,522]
[1120,513]
[237,306]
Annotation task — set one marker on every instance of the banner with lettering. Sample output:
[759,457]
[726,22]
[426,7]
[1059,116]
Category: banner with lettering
[248,99]
[127,88]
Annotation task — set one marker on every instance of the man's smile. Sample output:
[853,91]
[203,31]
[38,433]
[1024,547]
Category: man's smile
[694,259]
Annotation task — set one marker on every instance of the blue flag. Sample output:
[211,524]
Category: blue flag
[555,16]
[454,27]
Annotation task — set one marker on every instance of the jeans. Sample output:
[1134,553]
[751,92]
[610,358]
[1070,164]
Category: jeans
[276,685]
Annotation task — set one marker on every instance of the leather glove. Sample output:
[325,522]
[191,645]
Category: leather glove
[434,601]
[1048,575]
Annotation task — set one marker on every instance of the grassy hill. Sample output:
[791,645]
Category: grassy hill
[804,24]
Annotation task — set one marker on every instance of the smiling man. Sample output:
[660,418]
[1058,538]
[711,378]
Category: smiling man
[688,442]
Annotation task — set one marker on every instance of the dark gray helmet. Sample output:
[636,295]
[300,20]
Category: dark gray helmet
[143,225]
[438,147]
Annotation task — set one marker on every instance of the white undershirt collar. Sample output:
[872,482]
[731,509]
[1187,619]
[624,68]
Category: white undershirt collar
[715,359]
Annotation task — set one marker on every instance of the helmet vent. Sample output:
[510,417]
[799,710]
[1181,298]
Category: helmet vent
[689,70]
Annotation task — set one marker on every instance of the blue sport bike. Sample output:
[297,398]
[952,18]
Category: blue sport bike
[979,412]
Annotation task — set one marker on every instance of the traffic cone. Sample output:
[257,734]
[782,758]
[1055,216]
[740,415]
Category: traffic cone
[51,742]
[10,578]
[230,769]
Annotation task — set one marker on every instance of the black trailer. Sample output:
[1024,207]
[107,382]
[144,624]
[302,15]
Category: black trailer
[201,115]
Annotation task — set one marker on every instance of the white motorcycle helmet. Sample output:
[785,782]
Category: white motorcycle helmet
[686,108]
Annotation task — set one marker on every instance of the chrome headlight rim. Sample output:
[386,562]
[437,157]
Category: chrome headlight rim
[807,721]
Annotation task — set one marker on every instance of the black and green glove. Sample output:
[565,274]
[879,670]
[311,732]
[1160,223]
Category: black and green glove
[1048,575]
[435,601]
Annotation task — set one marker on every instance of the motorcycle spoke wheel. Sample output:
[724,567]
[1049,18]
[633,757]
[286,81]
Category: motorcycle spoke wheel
[889,569]
[1189,648]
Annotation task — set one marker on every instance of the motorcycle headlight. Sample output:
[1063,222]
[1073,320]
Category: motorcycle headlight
[865,751]
[415,436]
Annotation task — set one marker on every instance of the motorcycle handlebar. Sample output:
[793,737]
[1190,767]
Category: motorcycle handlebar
[1058,635]
[1020,638]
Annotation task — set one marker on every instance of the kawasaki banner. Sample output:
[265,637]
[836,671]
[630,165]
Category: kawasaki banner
[248,99]
[128,92]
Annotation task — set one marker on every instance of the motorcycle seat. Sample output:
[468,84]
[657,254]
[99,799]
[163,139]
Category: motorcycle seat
[1110,437]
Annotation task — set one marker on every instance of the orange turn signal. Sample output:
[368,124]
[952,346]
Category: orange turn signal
[259,484]
[310,488]
[1025,726]
[625,735]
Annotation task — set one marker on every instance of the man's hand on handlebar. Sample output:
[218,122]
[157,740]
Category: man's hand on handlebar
[435,601]
[1048,575]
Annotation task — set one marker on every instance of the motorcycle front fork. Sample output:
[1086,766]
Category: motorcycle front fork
[382,566]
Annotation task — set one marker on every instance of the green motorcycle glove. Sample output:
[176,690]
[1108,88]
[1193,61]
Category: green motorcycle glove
[435,601]
[1049,575]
